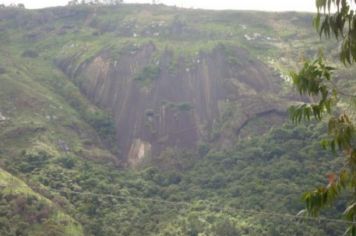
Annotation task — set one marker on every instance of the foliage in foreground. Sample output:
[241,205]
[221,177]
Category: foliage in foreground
[315,80]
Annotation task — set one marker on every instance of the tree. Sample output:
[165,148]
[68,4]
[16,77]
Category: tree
[21,5]
[341,24]
[116,2]
[335,18]
[73,3]
[95,2]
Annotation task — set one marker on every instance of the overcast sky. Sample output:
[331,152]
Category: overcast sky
[265,5]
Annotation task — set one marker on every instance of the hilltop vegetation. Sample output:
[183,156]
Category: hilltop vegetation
[62,169]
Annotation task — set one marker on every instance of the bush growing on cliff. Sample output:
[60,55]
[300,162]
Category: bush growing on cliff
[149,73]
[102,122]
[104,126]
[185,107]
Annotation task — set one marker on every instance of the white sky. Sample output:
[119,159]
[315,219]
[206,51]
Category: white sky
[265,5]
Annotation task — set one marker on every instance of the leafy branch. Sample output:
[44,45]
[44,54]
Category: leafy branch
[314,80]
[339,22]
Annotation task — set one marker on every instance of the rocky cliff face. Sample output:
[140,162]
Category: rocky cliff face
[160,101]
[170,77]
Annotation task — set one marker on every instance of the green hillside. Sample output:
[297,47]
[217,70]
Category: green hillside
[155,120]
[26,212]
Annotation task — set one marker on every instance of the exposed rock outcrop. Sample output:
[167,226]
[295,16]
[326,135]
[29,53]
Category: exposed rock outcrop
[165,101]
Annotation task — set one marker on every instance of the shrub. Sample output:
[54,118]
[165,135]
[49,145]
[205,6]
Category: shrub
[30,53]
[149,73]
[2,70]
[67,162]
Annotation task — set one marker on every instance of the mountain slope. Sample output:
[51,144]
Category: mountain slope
[194,100]
[168,74]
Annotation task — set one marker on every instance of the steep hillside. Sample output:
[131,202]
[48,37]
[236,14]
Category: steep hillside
[194,100]
[157,108]
[168,75]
